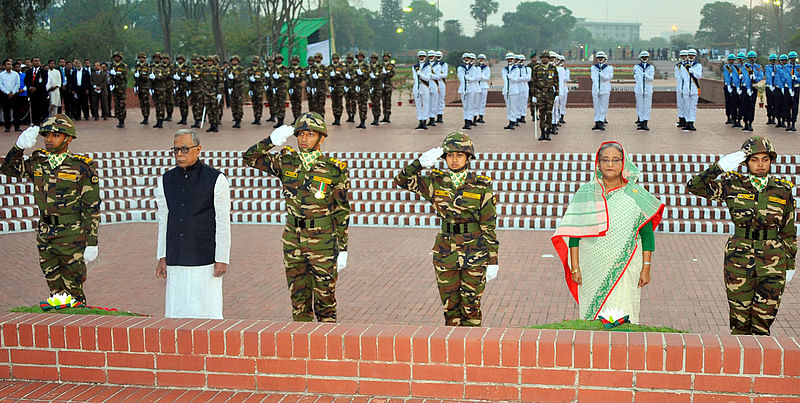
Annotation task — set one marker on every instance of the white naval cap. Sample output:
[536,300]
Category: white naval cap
[438,53]
[421,53]
[683,52]
[691,52]
[553,54]
[644,53]
[481,56]
[601,54]
[510,55]
[465,55]
[561,57]
[431,53]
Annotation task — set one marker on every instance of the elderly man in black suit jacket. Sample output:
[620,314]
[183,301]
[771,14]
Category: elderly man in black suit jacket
[36,81]
[80,87]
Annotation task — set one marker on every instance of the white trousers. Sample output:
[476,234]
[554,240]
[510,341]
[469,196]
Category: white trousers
[520,102]
[563,104]
[482,101]
[466,108]
[193,292]
[644,103]
[510,113]
[442,91]
[681,109]
[600,103]
[421,101]
[690,106]
[556,110]
[433,98]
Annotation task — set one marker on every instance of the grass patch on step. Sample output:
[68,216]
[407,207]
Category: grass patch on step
[580,324]
[73,311]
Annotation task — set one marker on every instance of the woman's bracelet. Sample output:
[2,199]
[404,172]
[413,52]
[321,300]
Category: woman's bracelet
[646,264]
[575,270]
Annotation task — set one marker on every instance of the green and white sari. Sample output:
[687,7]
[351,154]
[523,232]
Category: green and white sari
[608,223]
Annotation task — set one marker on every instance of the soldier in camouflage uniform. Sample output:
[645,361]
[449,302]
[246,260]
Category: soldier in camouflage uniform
[67,193]
[361,83]
[269,90]
[545,86]
[118,77]
[181,71]
[256,76]
[320,84]
[465,251]
[195,80]
[316,233]
[141,85]
[336,84]
[158,77]
[375,87]
[310,83]
[760,255]
[296,73]
[236,77]
[350,98]
[279,78]
[387,73]
[213,87]
[169,84]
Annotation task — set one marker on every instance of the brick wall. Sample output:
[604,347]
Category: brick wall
[401,361]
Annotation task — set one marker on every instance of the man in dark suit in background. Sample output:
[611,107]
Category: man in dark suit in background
[36,81]
[65,68]
[99,95]
[80,87]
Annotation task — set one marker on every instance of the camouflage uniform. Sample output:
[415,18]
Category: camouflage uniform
[68,199]
[269,90]
[467,242]
[120,83]
[296,73]
[320,90]
[213,85]
[375,87]
[387,69]
[279,79]
[181,71]
[236,77]
[256,76]
[316,224]
[545,84]
[196,88]
[169,85]
[141,85]
[336,83]
[361,83]
[350,98]
[764,244]
[310,83]
[159,87]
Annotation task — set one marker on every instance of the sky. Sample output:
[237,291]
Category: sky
[657,17]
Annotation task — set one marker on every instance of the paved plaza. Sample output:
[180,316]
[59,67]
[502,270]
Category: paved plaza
[389,278]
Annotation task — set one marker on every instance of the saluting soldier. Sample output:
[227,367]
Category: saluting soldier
[195,79]
[213,87]
[169,84]
[256,76]
[350,96]
[118,72]
[315,237]
[279,82]
[236,76]
[465,251]
[66,190]
[375,87]
[296,75]
[336,84]
[141,85]
[361,83]
[387,74]
[269,90]
[760,255]
[182,89]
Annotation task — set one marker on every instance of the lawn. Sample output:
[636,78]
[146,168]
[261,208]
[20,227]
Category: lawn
[597,325]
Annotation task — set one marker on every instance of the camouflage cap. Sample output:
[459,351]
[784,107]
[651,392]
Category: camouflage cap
[360,53]
[312,121]
[310,57]
[387,53]
[349,55]
[319,55]
[157,54]
[117,53]
[141,54]
[373,55]
[335,56]
[296,57]
[255,59]
[216,58]
[60,123]
[758,144]
[236,57]
[165,55]
[458,142]
[277,56]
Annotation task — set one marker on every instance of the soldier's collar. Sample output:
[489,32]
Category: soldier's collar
[193,166]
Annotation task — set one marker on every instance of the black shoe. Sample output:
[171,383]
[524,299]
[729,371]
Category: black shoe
[747,127]
[159,124]
[729,121]
[439,119]
[236,124]
[121,125]
[271,119]
[279,123]
[644,126]
[474,120]
[780,123]
[562,121]
[336,121]
[182,121]
[681,123]
[256,122]
[420,126]
[510,126]
[212,129]
[794,129]
[541,137]
[196,125]
[770,120]
[144,122]
[689,127]
[375,122]
[169,118]
[480,119]
[467,124]
[521,120]
[547,136]
[639,126]
[736,123]
[788,127]
[350,119]
[386,118]
[597,126]
[362,125]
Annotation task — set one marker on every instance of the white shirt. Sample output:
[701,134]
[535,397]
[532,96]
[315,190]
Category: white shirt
[421,71]
[643,73]
[688,85]
[222,218]
[486,74]
[9,82]
[79,76]
[601,79]
[511,74]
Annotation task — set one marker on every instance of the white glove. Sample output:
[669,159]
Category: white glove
[739,91]
[789,275]
[749,92]
[250,93]
[219,97]
[428,158]
[230,91]
[730,89]
[135,88]
[308,89]
[314,91]
[791,92]
[330,89]
[152,76]
[315,76]
[176,77]
[279,136]
[347,76]
[111,87]
[266,89]
[372,76]
[491,272]
[151,91]
[291,91]
[23,89]
[731,161]
[772,88]
[230,76]
[252,79]
[113,72]
[359,72]
[341,261]
[358,89]
[346,89]
[333,74]
[90,254]
[533,99]
[27,139]
[188,79]
[136,74]
[384,71]
[188,92]
[276,76]
[291,75]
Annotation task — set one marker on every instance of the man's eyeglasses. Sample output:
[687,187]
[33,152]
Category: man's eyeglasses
[611,160]
[184,149]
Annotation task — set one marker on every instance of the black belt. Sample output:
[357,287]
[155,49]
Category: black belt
[423,82]
[60,219]
[756,234]
[460,228]
[301,222]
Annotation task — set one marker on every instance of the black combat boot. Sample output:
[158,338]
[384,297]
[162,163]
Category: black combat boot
[644,126]
[196,125]
[279,123]
[510,126]
[271,118]
[121,124]
[547,134]
[420,125]
[521,120]
[350,119]
[467,124]
[770,120]
[361,125]
[256,122]
[729,121]
[794,129]
[212,129]
[639,125]
[439,119]
[431,122]
[183,120]
[144,121]
[562,121]
[169,118]
[386,118]
[159,124]
[598,125]
[474,120]
[681,123]
[480,119]
[736,123]
[336,120]
[780,123]
[542,134]
[236,124]
[375,121]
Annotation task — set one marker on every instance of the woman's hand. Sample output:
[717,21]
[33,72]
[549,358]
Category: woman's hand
[644,278]
[577,278]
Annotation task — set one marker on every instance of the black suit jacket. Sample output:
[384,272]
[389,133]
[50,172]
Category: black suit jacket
[86,84]
[40,83]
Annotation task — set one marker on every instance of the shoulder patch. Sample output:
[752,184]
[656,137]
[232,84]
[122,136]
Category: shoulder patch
[341,164]
[485,178]
[287,150]
[436,171]
[784,182]
[83,158]
[734,174]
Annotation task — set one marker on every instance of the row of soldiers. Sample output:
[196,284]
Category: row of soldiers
[537,85]
[204,83]
[781,86]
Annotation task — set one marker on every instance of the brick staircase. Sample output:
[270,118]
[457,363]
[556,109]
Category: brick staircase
[532,189]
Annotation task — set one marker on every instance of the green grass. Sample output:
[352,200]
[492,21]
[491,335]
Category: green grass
[75,311]
[580,324]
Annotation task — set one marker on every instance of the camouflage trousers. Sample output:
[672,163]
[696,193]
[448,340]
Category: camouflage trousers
[257,99]
[159,100]
[196,97]
[296,97]
[337,104]
[61,260]
[237,103]
[213,108]
[144,102]
[319,97]
[755,275]
[545,105]
[460,262]
[182,101]
[386,97]
[350,102]
[310,100]
[269,97]
[375,100]
[169,98]
[279,99]
[119,103]
[361,100]
[309,256]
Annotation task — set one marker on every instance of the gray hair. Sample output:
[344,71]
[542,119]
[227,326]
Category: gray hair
[611,145]
[183,132]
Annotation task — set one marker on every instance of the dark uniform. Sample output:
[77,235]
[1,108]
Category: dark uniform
[119,81]
[256,76]
[336,83]
[141,85]
[545,84]
[296,73]
[279,78]
[169,84]
[467,242]
[361,84]
[375,87]
[763,245]
[320,91]
[182,87]
[387,74]
[159,75]
[269,90]
[310,83]
[68,198]
[212,86]
[316,224]
[236,77]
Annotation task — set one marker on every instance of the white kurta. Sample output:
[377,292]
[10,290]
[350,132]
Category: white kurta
[193,291]
[54,80]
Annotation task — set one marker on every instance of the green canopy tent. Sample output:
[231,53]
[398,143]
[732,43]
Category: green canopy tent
[303,28]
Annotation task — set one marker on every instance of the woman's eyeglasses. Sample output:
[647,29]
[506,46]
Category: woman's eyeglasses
[178,150]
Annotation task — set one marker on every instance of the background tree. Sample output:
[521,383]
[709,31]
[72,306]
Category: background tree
[19,16]
[391,18]
[420,25]
[536,24]
[481,10]
[723,24]
[165,18]
[682,41]
[452,35]
[218,9]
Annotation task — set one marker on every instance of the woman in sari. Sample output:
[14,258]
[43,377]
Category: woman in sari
[605,239]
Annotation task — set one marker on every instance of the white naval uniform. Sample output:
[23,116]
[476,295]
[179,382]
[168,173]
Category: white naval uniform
[510,74]
[689,90]
[601,89]
[193,291]
[421,74]
[678,89]
[443,72]
[525,74]
[643,73]
[486,75]
[563,91]
[433,90]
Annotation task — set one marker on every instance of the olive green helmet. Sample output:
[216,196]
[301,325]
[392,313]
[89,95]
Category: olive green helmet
[310,121]
[59,123]
[758,144]
[458,142]
[296,57]
[318,54]
[141,54]
[117,53]
[236,57]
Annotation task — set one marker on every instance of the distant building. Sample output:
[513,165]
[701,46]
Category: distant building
[622,32]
